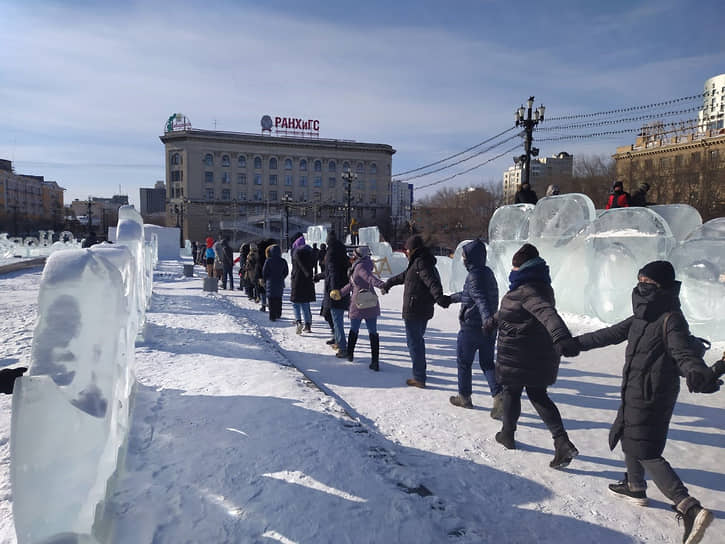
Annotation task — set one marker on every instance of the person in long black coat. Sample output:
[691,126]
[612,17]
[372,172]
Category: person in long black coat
[525,195]
[531,339]
[274,272]
[336,265]
[658,353]
[262,246]
[303,284]
[422,289]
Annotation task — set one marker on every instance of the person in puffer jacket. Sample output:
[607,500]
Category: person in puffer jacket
[274,272]
[658,353]
[531,339]
[479,302]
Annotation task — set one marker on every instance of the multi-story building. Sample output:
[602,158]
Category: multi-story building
[103,212]
[153,200]
[712,115]
[28,203]
[544,171]
[246,185]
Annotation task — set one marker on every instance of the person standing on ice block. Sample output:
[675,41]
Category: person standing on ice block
[658,352]
[422,289]
[479,302]
[532,337]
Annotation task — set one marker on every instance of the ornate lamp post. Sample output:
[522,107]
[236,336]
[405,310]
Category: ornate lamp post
[528,123]
[348,177]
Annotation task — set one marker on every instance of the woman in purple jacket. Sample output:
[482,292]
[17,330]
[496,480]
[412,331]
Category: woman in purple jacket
[362,279]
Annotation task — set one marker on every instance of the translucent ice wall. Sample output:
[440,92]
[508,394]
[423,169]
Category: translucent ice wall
[681,218]
[316,234]
[458,270]
[70,411]
[35,246]
[507,232]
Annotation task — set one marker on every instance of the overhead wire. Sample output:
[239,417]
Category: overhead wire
[627,109]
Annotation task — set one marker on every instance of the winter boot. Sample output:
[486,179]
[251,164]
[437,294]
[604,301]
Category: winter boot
[341,354]
[506,440]
[308,327]
[461,400]
[330,341]
[351,341]
[375,352]
[696,519]
[298,330]
[621,489]
[564,452]
[497,409]
[412,382]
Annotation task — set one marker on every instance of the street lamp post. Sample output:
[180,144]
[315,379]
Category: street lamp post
[348,177]
[90,215]
[528,123]
[286,199]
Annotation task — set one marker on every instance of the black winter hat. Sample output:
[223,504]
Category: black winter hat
[414,242]
[618,184]
[526,253]
[660,271]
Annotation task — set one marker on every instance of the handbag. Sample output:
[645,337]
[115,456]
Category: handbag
[366,299]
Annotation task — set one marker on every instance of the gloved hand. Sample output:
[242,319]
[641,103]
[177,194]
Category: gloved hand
[385,288]
[489,325]
[335,294]
[444,301]
[568,347]
[7,378]
[260,281]
[702,380]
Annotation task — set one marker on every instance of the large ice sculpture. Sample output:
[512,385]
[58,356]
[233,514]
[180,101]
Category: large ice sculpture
[507,231]
[316,234]
[681,218]
[458,270]
[700,265]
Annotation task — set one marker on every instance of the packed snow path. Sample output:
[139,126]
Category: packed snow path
[230,442]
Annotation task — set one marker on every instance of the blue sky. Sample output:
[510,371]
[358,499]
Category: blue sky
[85,87]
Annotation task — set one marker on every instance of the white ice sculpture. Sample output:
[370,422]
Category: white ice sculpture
[70,412]
[682,218]
[458,269]
[130,233]
[507,232]
[443,264]
[368,236]
[700,265]
[316,234]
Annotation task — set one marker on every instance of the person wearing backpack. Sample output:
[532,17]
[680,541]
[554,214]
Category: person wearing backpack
[659,351]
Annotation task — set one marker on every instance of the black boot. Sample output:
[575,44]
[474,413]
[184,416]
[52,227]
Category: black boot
[351,341]
[308,327]
[564,452]
[375,352]
[696,519]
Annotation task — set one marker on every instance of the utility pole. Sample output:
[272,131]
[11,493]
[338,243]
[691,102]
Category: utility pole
[90,215]
[348,177]
[528,123]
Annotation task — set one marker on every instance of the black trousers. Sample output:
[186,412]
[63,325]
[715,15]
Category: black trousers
[544,406]
[275,307]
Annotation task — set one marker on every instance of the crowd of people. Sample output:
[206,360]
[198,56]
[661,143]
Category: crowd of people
[618,197]
[519,342]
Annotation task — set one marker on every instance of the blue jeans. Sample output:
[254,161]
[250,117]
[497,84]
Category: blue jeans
[300,308]
[414,331]
[338,323]
[370,322]
[471,341]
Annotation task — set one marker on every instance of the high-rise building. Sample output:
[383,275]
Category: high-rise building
[153,200]
[712,115]
[544,171]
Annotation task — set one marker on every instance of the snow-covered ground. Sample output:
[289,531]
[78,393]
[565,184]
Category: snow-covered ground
[243,431]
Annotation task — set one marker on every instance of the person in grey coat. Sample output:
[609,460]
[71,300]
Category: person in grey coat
[363,279]
[658,352]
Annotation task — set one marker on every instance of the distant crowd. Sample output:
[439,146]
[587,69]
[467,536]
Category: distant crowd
[618,198]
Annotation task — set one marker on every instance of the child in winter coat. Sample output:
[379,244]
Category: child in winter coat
[531,339]
[274,272]
[479,302]
[362,280]
[658,353]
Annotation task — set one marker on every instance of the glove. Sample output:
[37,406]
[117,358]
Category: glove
[260,281]
[568,347]
[489,326]
[385,288]
[335,294]
[444,301]
[702,380]
[7,378]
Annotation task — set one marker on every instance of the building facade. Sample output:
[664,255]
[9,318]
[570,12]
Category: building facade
[103,212]
[544,171]
[153,200]
[28,203]
[248,185]
[712,115]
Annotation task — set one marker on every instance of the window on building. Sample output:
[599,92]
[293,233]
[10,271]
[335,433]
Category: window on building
[273,164]
[273,196]
[225,160]
[373,185]
[258,196]
[317,181]
[288,179]
[345,166]
[175,158]
[678,160]
[303,165]
[360,168]
[242,196]
[714,155]
[258,179]
[257,163]
[226,194]
[331,181]
[361,185]
[242,161]
[373,168]
[303,196]
[209,159]
[648,164]
[210,194]
[242,179]
[664,162]
[695,157]
[318,166]
[331,166]
[226,178]
[208,177]
[288,195]
[288,164]
[303,181]
[273,179]
[177,175]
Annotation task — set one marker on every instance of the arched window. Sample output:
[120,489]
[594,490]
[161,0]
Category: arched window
[345,166]
[318,166]
[331,166]
[257,163]
[175,158]
[373,168]
[273,164]
[242,161]
[225,160]
[288,164]
[209,159]
[303,164]
[360,168]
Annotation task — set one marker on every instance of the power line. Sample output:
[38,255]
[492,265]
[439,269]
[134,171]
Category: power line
[616,121]
[454,155]
[626,109]
[615,132]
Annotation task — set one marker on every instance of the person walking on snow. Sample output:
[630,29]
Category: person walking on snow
[532,337]
[209,256]
[336,265]
[658,352]
[274,272]
[362,280]
[303,283]
[422,289]
[479,302]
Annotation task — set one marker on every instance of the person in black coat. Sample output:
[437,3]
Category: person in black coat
[421,291]
[303,283]
[526,195]
[274,272]
[658,353]
[262,246]
[322,252]
[639,197]
[336,265]
[227,264]
[531,339]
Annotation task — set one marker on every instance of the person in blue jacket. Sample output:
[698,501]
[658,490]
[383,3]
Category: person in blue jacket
[479,303]
[274,272]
